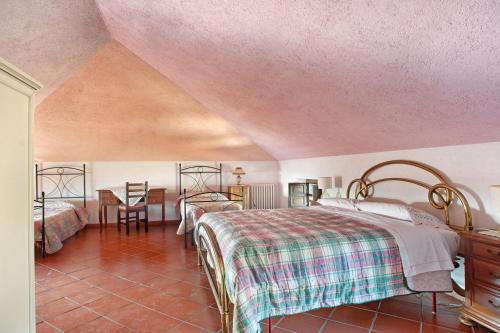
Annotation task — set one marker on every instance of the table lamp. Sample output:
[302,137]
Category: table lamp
[238,171]
[323,184]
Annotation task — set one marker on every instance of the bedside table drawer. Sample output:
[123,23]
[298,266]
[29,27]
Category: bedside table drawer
[486,272]
[486,251]
[487,299]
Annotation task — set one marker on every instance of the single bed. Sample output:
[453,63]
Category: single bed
[278,262]
[57,215]
[202,193]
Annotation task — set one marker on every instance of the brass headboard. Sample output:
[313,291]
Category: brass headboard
[440,194]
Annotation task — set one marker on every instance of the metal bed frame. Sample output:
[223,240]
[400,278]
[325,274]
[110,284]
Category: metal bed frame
[61,178]
[440,196]
[202,193]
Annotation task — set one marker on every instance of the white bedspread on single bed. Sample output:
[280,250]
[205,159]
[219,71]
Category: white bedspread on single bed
[195,210]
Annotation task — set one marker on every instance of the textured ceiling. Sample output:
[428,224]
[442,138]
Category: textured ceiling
[50,39]
[119,108]
[312,78]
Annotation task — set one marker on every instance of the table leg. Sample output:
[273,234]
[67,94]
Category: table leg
[163,211]
[100,216]
[106,216]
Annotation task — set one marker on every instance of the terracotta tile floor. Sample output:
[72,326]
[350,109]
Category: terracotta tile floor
[108,282]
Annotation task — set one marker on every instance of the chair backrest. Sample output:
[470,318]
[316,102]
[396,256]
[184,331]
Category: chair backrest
[136,190]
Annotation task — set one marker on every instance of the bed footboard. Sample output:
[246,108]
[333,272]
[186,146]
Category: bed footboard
[209,252]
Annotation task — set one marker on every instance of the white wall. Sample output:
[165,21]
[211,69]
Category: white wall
[471,168]
[104,174]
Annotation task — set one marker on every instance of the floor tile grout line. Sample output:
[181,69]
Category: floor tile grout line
[374,319]
[326,320]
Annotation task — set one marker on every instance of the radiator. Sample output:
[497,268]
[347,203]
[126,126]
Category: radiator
[262,196]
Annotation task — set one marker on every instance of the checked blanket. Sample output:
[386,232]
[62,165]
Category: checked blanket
[287,261]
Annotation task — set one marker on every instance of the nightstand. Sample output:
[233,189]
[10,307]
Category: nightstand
[482,280]
[242,192]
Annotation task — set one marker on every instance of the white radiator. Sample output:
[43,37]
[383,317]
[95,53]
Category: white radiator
[262,196]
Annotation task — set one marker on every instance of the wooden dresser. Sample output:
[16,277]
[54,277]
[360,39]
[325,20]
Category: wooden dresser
[240,190]
[482,280]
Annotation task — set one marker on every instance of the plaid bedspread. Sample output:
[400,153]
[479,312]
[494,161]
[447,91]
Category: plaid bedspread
[62,220]
[286,261]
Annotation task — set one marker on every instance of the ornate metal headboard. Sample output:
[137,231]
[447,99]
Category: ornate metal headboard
[440,194]
[200,176]
[60,180]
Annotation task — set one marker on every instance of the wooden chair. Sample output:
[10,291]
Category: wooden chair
[134,190]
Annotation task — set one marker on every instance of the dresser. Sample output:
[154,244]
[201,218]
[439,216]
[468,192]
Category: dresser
[301,193]
[17,290]
[240,192]
[482,280]
[156,196]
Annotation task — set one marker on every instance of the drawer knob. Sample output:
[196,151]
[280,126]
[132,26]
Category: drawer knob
[492,302]
[491,252]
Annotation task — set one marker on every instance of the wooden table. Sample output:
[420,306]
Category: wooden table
[156,196]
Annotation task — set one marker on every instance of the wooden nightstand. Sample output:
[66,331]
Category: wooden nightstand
[242,192]
[482,280]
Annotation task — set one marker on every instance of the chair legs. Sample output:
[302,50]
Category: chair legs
[118,220]
[137,217]
[137,224]
[127,223]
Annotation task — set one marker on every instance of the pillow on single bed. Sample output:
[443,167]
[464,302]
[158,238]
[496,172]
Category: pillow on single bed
[396,211]
[339,203]
[422,217]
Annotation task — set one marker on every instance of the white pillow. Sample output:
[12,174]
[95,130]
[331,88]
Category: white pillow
[339,203]
[419,216]
[396,211]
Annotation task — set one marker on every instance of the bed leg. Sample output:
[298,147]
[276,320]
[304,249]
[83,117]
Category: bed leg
[225,322]
[269,324]
[434,307]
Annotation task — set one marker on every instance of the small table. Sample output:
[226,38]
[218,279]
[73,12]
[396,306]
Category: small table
[156,196]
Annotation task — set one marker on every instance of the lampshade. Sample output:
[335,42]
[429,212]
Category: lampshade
[238,171]
[324,183]
[338,181]
[495,197]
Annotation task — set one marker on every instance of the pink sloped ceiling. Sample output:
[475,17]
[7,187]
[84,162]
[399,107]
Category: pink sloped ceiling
[50,39]
[313,78]
[118,108]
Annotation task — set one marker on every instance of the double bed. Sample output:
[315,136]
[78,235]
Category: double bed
[279,262]
[57,214]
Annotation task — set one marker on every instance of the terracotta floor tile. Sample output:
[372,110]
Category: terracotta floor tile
[322,313]
[187,328]
[142,319]
[426,328]
[353,316]
[88,295]
[208,318]
[373,306]
[55,308]
[117,285]
[43,327]
[402,309]
[73,318]
[444,319]
[100,279]
[86,272]
[47,297]
[183,309]
[108,303]
[301,323]
[390,324]
[136,293]
[161,283]
[58,281]
[100,325]
[72,288]
[158,301]
[334,327]
[142,276]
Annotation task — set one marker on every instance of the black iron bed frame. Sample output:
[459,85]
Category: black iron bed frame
[60,177]
[201,191]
